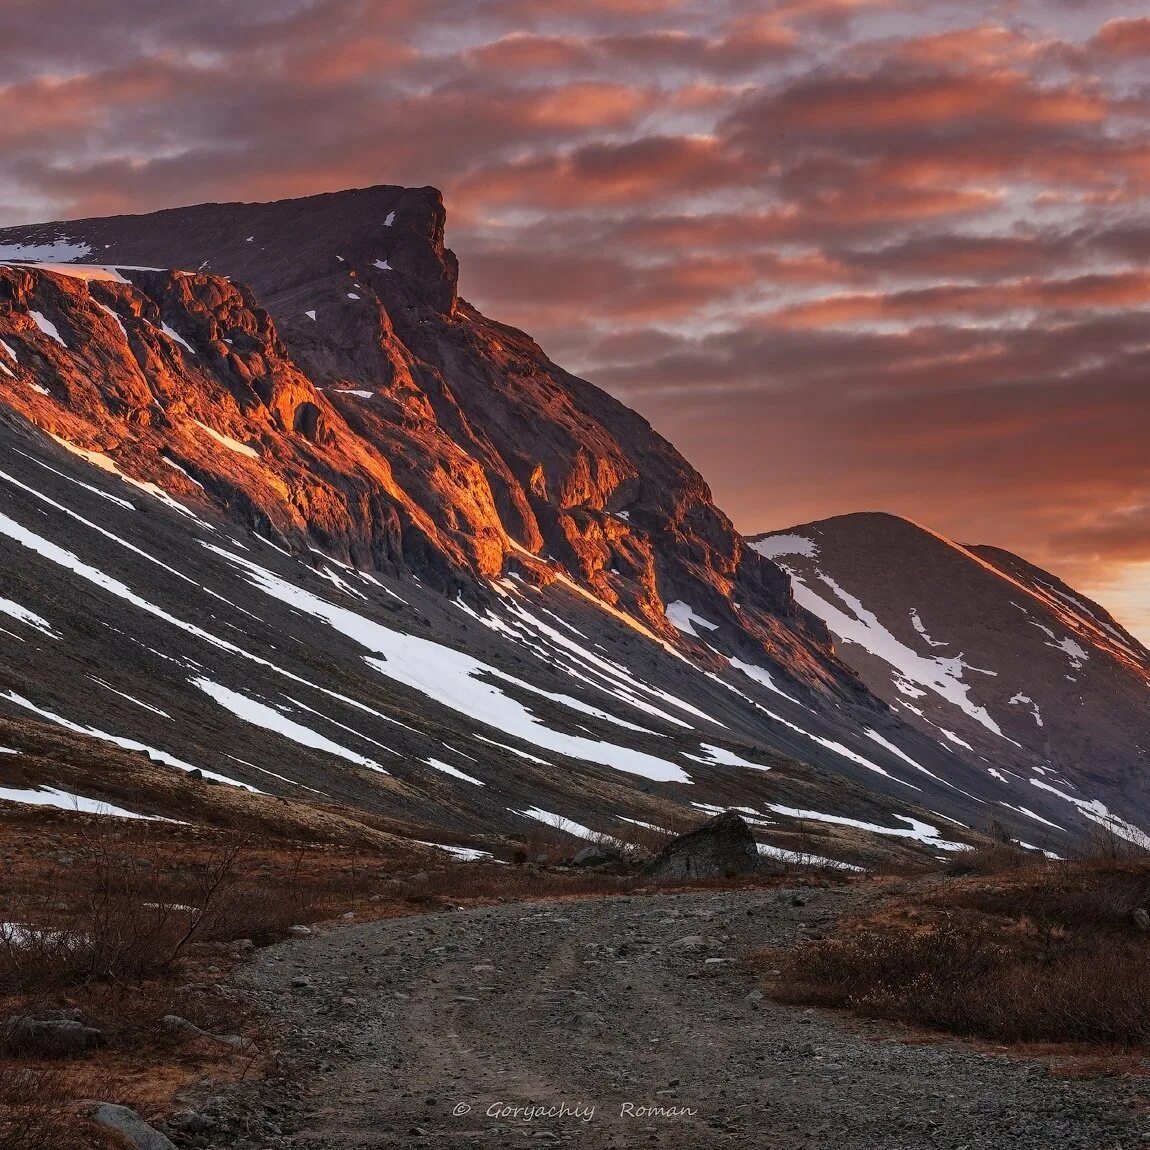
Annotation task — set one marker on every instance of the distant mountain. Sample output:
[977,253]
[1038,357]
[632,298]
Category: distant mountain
[277,505]
[984,651]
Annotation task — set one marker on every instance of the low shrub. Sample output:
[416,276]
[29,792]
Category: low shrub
[1048,954]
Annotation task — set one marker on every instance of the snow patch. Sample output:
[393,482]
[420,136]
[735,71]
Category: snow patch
[775,545]
[61,250]
[261,715]
[227,441]
[114,317]
[1097,812]
[454,772]
[917,623]
[683,617]
[50,797]
[48,328]
[720,756]
[760,676]
[921,832]
[1028,701]
[28,618]
[174,335]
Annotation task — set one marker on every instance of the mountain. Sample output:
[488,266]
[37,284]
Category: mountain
[276,505]
[984,651]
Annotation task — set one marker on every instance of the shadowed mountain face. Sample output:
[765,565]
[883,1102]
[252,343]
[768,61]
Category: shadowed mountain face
[278,505]
[990,653]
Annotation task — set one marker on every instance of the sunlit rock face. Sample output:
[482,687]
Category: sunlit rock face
[391,422]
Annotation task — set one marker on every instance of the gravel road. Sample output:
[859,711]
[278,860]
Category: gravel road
[633,1014]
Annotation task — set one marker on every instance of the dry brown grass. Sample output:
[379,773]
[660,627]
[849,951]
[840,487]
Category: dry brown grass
[35,1115]
[1044,952]
[103,930]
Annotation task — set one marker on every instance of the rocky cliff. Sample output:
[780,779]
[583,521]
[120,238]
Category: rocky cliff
[380,417]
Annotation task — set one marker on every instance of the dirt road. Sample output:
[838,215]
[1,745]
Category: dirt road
[622,1022]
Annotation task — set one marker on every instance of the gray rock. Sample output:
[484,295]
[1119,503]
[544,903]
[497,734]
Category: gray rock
[1141,918]
[594,855]
[299,931]
[58,1036]
[175,1024]
[190,1121]
[721,848]
[236,1041]
[139,1134]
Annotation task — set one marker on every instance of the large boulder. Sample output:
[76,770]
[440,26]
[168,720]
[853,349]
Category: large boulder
[51,1037]
[721,848]
[127,1122]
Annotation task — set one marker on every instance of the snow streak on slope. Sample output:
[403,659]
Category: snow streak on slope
[922,832]
[853,623]
[28,618]
[119,741]
[270,719]
[1098,812]
[51,797]
[558,648]
[453,679]
[683,617]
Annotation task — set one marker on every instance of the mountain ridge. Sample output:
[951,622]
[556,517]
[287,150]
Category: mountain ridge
[602,503]
[409,512]
[1027,671]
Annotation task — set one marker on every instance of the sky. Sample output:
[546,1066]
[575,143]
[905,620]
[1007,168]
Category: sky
[845,254]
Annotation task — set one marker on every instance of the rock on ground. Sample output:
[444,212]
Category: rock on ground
[139,1134]
[721,848]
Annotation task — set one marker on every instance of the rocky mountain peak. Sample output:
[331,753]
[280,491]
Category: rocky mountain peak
[383,419]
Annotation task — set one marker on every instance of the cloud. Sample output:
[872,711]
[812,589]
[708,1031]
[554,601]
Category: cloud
[844,253]
[1124,37]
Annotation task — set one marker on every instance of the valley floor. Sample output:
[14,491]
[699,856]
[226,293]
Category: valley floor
[444,1030]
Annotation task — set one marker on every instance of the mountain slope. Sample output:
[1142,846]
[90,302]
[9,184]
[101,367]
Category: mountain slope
[277,506]
[984,650]
[481,449]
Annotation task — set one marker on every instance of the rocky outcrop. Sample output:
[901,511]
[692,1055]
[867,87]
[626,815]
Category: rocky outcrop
[723,847]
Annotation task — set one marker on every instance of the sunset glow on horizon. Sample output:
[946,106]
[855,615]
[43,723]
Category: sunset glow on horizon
[846,255]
